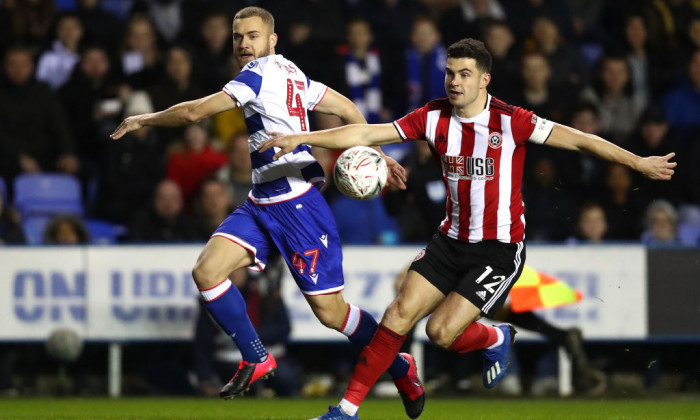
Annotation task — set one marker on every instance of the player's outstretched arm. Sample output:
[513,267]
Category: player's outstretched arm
[335,138]
[654,167]
[177,115]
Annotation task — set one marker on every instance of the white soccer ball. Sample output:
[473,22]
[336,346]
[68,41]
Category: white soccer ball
[64,345]
[360,173]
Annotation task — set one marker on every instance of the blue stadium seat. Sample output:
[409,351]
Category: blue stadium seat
[3,191]
[47,194]
[101,232]
[33,227]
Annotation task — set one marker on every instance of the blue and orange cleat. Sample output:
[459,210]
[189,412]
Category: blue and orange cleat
[336,413]
[411,389]
[496,360]
[246,374]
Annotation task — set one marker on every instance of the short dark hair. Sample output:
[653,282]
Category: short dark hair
[253,11]
[471,48]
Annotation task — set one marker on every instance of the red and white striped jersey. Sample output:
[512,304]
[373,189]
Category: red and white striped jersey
[482,165]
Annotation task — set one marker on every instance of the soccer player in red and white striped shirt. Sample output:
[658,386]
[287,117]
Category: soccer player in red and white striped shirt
[477,254]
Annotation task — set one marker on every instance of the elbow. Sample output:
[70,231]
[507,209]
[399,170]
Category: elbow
[190,117]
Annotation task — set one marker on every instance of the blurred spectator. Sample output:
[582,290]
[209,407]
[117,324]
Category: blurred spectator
[537,94]
[30,20]
[623,204]
[361,70]
[90,98]
[587,171]
[212,61]
[505,67]
[166,14]
[522,15]
[130,168]
[682,104]
[392,33]
[469,19]
[587,20]
[654,138]
[237,174]
[177,86]
[140,57]
[364,222]
[549,208]
[309,32]
[214,205]
[425,64]
[661,224]
[568,68]
[689,224]
[101,27]
[164,220]
[56,65]
[35,134]
[66,229]
[421,206]
[618,103]
[591,224]
[10,228]
[644,59]
[194,160]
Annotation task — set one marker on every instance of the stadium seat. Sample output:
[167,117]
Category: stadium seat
[3,191]
[101,232]
[33,227]
[47,194]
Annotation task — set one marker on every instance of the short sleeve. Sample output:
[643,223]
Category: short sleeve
[246,86]
[413,125]
[527,126]
[315,93]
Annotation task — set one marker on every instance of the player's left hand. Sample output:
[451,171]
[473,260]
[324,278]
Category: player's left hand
[287,143]
[128,125]
[396,174]
[658,167]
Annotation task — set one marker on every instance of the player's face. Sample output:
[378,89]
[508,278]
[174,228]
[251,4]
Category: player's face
[464,81]
[252,39]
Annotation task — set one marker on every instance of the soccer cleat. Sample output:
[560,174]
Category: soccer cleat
[496,360]
[336,413]
[411,389]
[246,374]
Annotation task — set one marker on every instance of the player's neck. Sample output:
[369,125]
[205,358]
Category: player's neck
[475,107]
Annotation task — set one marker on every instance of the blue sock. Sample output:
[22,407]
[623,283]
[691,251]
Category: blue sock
[360,327]
[225,303]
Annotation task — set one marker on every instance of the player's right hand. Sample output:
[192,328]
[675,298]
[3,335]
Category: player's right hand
[128,125]
[658,167]
[287,143]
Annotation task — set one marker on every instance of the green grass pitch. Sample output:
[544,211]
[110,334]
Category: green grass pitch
[282,409]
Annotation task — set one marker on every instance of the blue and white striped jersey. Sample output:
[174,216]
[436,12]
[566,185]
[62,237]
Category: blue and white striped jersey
[275,96]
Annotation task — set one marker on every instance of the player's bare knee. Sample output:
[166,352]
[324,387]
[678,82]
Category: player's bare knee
[440,334]
[398,317]
[204,276]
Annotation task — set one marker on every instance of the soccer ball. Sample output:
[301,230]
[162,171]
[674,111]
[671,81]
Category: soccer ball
[64,345]
[360,173]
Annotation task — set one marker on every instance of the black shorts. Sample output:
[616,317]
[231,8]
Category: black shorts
[482,272]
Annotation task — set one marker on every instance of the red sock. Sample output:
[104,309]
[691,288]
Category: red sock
[375,358]
[476,336]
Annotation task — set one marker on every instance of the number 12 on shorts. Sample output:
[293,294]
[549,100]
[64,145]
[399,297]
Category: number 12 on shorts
[300,265]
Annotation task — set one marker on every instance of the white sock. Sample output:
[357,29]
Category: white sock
[349,408]
[499,341]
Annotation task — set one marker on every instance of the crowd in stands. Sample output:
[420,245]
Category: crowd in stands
[627,70]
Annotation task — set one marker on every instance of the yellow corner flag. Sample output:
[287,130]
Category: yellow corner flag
[536,290]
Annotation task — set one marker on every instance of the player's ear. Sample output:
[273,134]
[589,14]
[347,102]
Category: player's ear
[485,80]
[273,40]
